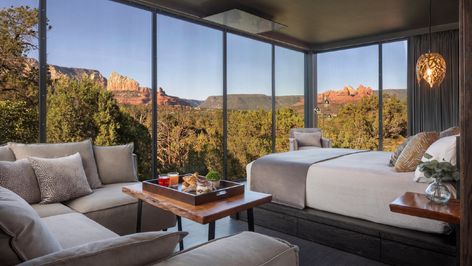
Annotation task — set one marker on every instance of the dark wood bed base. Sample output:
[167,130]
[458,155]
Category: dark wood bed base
[387,244]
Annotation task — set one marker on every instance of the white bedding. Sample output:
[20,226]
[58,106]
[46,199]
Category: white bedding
[362,185]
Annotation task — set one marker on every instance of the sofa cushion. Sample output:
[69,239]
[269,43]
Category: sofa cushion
[28,236]
[308,148]
[74,229]
[108,196]
[450,132]
[246,248]
[115,163]
[137,249]
[411,155]
[6,154]
[60,179]
[19,177]
[45,210]
[55,150]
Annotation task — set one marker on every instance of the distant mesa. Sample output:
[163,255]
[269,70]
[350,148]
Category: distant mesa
[346,95]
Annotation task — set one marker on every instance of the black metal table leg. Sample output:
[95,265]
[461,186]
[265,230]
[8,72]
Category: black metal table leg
[250,220]
[211,231]
[138,219]
[179,228]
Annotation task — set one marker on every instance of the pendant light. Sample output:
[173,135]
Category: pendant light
[431,66]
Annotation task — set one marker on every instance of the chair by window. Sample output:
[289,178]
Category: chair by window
[307,138]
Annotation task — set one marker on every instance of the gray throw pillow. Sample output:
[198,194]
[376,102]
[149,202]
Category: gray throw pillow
[19,177]
[60,179]
[20,225]
[54,150]
[308,138]
[115,163]
[6,154]
[136,249]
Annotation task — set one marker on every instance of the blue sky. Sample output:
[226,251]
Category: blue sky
[108,36]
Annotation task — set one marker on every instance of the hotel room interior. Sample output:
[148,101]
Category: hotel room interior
[236,132]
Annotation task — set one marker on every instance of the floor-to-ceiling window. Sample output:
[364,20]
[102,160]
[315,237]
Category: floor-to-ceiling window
[289,94]
[394,66]
[19,71]
[347,97]
[249,73]
[99,56]
[190,97]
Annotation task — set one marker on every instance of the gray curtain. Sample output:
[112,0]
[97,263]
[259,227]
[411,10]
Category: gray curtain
[437,108]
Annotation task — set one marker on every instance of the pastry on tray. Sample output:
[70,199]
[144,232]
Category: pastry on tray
[204,186]
[190,183]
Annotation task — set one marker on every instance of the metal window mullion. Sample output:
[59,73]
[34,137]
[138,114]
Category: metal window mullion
[154,94]
[42,83]
[274,126]
[225,108]
[380,148]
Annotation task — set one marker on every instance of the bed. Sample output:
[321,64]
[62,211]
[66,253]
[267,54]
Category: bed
[347,200]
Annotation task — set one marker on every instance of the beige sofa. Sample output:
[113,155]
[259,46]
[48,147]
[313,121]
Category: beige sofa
[86,230]
[107,205]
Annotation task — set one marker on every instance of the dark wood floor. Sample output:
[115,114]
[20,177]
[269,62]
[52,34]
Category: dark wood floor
[310,253]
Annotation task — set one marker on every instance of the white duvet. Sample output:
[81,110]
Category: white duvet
[362,185]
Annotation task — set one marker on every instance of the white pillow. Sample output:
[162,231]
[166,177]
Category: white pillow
[444,149]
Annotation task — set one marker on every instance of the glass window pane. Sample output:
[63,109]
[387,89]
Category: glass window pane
[190,97]
[19,71]
[348,97]
[289,94]
[394,66]
[100,68]
[249,102]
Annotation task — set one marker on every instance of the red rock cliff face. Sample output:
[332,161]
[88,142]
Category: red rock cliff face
[164,99]
[127,90]
[347,95]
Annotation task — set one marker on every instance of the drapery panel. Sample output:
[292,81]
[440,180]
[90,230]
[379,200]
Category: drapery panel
[437,108]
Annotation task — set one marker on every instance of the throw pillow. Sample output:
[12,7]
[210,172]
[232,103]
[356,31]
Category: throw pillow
[308,138]
[444,149]
[55,150]
[411,155]
[6,154]
[450,132]
[136,249]
[398,151]
[19,177]
[60,179]
[116,163]
[20,226]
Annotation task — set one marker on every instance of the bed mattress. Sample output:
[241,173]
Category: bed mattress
[361,186]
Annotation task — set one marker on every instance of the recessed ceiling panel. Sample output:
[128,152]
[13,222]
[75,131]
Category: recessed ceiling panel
[244,21]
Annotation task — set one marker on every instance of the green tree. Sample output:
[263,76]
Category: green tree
[19,122]
[18,34]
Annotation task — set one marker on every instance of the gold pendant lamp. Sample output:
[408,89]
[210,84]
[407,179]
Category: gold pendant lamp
[431,66]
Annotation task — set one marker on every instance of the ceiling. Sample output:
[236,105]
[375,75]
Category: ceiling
[319,23]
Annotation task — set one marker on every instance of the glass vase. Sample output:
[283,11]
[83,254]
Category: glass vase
[437,192]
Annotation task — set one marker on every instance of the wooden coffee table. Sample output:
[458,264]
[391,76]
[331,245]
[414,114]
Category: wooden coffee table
[206,213]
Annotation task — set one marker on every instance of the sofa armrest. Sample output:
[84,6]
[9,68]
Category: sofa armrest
[326,143]
[246,248]
[136,249]
[293,144]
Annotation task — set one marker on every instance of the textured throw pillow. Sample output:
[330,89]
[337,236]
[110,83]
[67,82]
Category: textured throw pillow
[6,154]
[136,249]
[414,151]
[19,177]
[398,151]
[60,179]
[115,163]
[21,227]
[444,149]
[308,138]
[450,132]
[55,150]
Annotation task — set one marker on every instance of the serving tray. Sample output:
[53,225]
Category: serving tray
[227,189]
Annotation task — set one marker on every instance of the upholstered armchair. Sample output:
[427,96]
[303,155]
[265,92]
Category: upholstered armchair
[307,138]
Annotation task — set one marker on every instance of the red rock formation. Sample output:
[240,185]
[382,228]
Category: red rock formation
[127,91]
[347,95]
[164,99]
